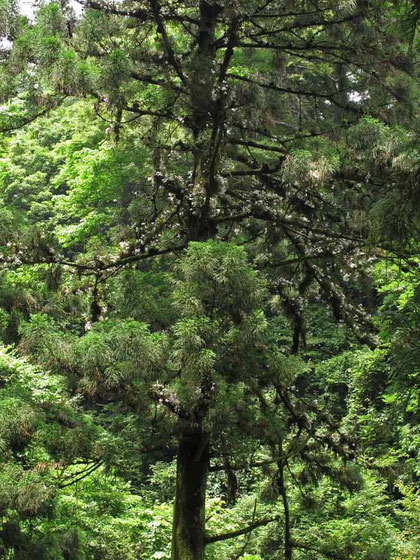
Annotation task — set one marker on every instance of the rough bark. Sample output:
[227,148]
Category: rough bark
[232,482]
[12,329]
[188,533]
[202,84]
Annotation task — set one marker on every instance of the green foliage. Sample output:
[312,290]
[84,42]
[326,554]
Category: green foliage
[209,219]
[41,433]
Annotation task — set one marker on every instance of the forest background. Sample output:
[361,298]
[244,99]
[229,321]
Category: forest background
[209,286]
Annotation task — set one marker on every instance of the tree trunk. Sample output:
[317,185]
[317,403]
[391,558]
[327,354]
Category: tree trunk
[202,92]
[232,482]
[188,531]
[288,547]
[12,329]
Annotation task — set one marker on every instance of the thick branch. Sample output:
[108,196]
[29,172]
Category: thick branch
[170,401]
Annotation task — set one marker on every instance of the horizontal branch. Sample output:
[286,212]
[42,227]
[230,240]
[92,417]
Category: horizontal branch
[304,46]
[257,145]
[292,91]
[297,260]
[33,262]
[146,112]
[325,553]
[83,474]
[139,14]
[143,256]
[32,118]
[243,466]
[148,79]
[100,267]
[307,24]
[240,532]
[265,170]
[278,15]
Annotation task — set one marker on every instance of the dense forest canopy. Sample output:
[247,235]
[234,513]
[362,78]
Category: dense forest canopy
[209,280]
